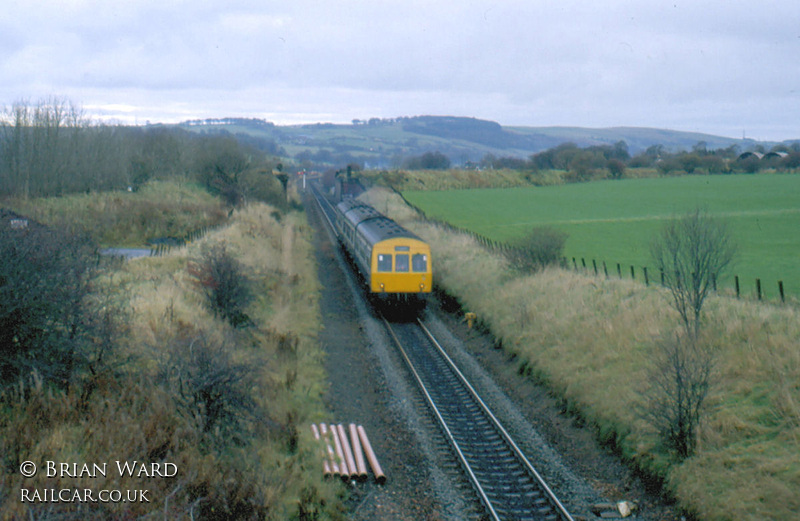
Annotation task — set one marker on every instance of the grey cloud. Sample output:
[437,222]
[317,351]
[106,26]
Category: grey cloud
[702,65]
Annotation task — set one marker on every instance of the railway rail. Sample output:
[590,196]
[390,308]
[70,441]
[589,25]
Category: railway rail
[506,483]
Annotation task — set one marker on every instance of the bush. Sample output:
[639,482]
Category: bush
[224,284]
[261,185]
[678,384]
[542,247]
[53,322]
[209,387]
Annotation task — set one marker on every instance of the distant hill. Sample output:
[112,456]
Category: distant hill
[380,143]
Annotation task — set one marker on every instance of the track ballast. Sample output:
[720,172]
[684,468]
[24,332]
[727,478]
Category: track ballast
[505,481]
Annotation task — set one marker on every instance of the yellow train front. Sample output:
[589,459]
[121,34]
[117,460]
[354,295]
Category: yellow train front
[395,263]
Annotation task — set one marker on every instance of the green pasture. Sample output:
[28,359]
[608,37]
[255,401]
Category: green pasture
[615,221]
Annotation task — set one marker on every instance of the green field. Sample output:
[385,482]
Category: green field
[615,221]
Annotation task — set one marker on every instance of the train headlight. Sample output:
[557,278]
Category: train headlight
[421,287]
[381,286]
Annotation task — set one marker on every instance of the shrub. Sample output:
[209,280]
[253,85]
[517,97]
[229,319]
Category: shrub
[209,387]
[543,246]
[224,284]
[678,383]
[53,322]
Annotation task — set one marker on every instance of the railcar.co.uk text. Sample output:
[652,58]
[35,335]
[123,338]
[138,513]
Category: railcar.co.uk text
[61,470]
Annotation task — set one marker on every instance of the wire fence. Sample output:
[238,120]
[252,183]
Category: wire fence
[648,277]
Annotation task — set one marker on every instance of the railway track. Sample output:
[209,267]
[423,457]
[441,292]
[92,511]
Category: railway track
[505,481]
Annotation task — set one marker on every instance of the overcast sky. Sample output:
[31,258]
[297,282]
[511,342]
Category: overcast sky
[723,67]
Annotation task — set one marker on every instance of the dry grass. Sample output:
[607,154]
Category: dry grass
[591,340]
[453,179]
[271,472]
[158,209]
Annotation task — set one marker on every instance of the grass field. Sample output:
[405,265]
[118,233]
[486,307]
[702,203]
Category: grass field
[615,221]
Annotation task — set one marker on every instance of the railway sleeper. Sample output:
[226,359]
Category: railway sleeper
[503,462]
[535,515]
[478,436]
[508,471]
[487,447]
[499,481]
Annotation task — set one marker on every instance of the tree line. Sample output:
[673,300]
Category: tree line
[613,160]
[52,148]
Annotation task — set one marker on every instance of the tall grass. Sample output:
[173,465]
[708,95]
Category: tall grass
[120,219]
[591,340]
[266,467]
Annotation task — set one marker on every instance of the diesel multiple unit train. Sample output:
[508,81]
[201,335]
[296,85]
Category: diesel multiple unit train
[395,263]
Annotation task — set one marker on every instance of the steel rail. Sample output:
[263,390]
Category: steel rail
[462,459]
[480,453]
[499,426]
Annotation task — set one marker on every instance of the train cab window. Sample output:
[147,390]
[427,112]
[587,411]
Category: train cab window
[384,263]
[401,262]
[419,262]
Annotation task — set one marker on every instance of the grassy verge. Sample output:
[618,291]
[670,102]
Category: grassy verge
[591,340]
[463,179]
[129,219]
[228,407]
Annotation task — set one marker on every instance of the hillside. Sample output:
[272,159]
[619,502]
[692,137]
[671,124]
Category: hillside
[381,143]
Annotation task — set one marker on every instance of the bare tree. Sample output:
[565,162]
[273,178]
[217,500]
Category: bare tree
[678,384]
[692,252]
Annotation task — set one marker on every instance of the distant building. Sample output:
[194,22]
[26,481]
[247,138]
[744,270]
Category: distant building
[747,155]
[778,155]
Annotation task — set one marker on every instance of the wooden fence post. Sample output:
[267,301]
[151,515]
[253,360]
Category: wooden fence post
[594,264]
[646,280]
[780,290]
[736,280]
[619,270]
[633,275]
[758,288]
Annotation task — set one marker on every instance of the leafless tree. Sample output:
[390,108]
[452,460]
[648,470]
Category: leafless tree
[678,384]
[692,252]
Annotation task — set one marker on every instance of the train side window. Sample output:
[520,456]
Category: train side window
[384,262]
[401,262]
[419,262]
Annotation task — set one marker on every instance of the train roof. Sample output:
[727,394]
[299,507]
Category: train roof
[375,226]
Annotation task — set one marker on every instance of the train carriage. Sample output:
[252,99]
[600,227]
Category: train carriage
[395,263]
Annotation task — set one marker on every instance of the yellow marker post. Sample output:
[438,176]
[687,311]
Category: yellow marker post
[470,316]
